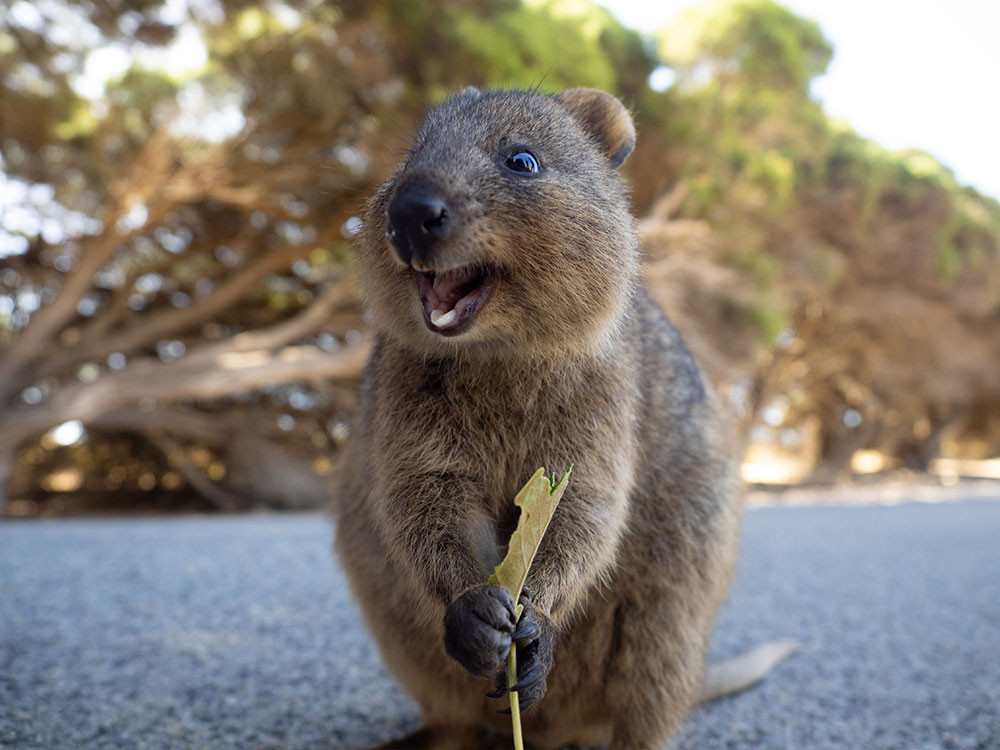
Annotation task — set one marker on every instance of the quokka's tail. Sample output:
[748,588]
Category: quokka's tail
[733,675]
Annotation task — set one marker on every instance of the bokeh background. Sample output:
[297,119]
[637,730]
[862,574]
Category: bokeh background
[180,183]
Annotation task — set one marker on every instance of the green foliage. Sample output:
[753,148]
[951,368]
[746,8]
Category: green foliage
[759,41]
[555,44]
[754,147]
[914,178]
[764,308]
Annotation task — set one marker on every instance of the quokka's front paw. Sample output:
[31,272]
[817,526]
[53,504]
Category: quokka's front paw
[478,629]
[535,637]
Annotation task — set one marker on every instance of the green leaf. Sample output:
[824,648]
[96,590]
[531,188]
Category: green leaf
[537,500]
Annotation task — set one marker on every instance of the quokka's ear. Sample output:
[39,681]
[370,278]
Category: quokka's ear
[605,118]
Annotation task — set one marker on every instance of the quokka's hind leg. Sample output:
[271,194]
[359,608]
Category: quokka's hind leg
[654,670]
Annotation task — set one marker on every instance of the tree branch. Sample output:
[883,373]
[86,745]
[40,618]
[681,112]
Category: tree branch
[225,373]
[172,320]
[208,489]
[45,323]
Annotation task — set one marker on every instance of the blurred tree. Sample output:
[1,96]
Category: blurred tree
[177,244]
[857,287]
[181,181]
[755,43]
[197,234]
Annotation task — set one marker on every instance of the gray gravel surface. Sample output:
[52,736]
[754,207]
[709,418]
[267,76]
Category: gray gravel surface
[240,633]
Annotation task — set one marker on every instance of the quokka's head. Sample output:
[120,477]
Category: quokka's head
[507,230]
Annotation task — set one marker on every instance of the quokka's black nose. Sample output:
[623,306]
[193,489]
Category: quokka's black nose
[419,217]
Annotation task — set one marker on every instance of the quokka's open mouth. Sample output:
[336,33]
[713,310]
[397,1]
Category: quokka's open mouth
[451,299]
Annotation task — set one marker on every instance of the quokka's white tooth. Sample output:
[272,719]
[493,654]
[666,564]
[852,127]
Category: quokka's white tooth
[441,319]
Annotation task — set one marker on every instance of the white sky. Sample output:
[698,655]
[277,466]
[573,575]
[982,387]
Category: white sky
[923,74]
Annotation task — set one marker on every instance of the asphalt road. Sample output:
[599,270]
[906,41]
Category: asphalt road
[240,633]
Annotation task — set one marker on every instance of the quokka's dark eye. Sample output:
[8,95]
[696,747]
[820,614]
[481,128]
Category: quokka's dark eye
[524,162]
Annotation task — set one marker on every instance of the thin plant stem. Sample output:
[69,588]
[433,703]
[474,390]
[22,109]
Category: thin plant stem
[515,710]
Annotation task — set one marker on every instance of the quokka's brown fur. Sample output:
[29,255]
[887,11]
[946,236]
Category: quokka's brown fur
[568,360]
